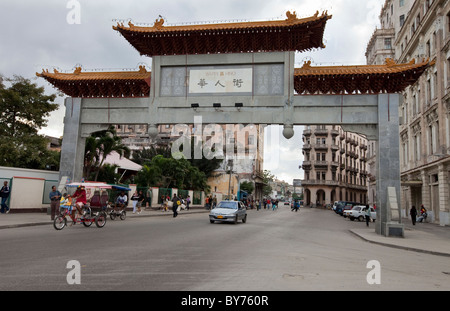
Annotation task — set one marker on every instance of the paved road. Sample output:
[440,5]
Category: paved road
[282,250]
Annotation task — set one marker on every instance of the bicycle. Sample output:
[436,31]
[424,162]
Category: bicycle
[87,218]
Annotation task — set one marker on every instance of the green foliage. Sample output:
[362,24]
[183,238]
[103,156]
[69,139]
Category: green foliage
[171,173]
[147,154]
[247,186]
[98,146]
[24,109]
[267,177]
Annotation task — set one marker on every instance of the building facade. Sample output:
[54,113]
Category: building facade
[421,30]
[335,165]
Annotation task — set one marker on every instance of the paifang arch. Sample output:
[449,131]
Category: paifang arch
[246,69]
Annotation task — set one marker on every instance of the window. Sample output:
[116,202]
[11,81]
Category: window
[401,3]
[388,43]
[402,20]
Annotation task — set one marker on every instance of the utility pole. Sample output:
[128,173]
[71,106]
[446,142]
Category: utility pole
[230,167]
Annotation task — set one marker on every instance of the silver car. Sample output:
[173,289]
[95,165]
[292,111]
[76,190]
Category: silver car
[229,211]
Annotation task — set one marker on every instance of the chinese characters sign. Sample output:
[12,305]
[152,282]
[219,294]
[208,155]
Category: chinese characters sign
[211,81]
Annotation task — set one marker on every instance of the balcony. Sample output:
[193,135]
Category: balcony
[334,147]
[321,147]
[307,133]
[321,132]
[306,165]
[314,182]
[307,147]
[334,133]
[321,164]
[334,164]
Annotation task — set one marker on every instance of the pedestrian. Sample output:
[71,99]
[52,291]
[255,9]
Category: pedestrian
[176,202]
[423,213]
[55,198]
[4,194]
[134,200]
[141,201]
[207,202]
[188,201]
[367,215]
[413,213]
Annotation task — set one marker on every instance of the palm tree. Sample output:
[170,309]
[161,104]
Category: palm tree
[98,146]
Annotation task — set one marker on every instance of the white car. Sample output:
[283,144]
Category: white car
[228,211]
[359,212]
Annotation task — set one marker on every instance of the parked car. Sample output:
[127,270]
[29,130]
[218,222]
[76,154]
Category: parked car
[344,205]
[359,212]
[229,211]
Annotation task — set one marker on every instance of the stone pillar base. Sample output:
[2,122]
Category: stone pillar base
[394,229]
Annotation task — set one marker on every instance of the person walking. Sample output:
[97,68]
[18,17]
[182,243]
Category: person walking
[4,194]
[135,200]
[413,213]
[141,200]
[367,215]
[55,201]
[188,202]
[176,202]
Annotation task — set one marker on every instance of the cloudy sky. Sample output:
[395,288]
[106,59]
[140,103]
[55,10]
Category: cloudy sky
[37,35]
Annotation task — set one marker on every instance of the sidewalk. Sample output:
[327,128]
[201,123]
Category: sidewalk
[423,237]
[17,220]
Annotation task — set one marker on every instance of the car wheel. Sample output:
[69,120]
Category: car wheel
[236,220]
[360,218]
[352,218]
[211,221]
[244,220]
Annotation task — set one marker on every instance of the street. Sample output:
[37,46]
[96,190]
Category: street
[274,251]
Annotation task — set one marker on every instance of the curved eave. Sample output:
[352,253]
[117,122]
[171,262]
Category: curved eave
[296,35]
[98,85]
[357,79]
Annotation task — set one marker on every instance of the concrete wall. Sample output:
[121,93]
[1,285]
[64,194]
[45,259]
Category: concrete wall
[29,188]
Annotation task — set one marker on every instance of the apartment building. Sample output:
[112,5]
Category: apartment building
[335,165]
[421,30]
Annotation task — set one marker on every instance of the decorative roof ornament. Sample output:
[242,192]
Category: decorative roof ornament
[77,70]
[142,69]
[307,65]
[159,23]
[292,17]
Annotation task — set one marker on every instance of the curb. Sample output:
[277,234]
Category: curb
[32,224]
[412,249]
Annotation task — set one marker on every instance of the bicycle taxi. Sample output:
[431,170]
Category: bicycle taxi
[94,211]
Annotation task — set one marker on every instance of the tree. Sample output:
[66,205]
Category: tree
[24,109]
[98,146]
[267,178]
[147,154]
[171,173]
[247,186]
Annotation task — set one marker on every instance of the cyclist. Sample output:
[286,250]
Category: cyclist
[80,198]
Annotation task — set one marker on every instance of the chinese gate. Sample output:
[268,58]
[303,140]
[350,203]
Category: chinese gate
[241,73]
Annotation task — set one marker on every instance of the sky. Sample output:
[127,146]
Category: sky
[63,34]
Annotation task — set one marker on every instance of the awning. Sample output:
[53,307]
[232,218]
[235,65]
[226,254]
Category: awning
[123,163]
[99,185]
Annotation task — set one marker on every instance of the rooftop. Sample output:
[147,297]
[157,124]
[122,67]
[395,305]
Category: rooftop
[291,34]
